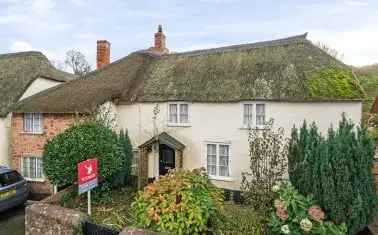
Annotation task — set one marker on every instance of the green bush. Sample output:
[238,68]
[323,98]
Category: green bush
[123,178]
[296,214]
[337,171]
[235,219]
[78,143]
[181,202]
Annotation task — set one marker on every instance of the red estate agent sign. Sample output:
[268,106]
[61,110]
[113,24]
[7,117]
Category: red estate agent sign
[87,175]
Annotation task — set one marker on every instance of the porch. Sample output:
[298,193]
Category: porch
[157,156]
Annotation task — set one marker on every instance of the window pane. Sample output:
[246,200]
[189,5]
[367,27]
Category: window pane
[32,169]
[134,163]
[211,159]
[25,166]
[39,167]
[184,113]
[28,121]
[223,171]
[37,122]
[260,114]
[248,114]
[173,113]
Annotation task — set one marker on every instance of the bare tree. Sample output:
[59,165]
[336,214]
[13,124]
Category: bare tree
[78,63]
[330,51]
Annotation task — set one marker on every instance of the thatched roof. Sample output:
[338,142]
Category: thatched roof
[374,107]
[18,71]
[273,70]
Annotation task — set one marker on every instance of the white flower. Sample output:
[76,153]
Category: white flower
[285,229]
[306,225]
[276,188]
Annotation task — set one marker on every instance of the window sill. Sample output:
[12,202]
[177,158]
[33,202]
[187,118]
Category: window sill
[179,125]
[34,179]
[219,178]
[253,128]
[32,133]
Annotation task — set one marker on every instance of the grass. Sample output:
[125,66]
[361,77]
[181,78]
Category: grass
[113,214]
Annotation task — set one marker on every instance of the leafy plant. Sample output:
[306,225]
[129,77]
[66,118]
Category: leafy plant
[181,202]
[337,171]
[78,143]
[268,156]
[236,219]
[296,214]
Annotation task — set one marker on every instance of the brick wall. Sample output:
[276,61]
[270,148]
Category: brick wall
[32,144]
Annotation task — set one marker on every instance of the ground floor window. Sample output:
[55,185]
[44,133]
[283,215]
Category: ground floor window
[134,163]
[218,158]
[31,167]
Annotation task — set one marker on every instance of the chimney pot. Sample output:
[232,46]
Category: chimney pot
[160,43]
[103,53]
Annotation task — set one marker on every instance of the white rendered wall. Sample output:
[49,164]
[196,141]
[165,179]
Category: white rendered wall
[210,122]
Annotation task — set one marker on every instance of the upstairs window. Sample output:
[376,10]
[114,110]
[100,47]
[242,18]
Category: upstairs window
[260,114]
[178,113]
[33,123]
[253,115]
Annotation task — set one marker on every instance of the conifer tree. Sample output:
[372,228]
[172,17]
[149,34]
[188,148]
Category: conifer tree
[337,171]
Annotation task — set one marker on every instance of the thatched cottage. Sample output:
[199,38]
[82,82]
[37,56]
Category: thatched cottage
[22,75]
[194,109]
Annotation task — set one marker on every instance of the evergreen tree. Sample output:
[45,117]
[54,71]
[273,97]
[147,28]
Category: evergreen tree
[337,171]
[125,175]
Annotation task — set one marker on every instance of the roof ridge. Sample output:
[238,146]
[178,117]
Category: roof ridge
[260,44]
[23,53]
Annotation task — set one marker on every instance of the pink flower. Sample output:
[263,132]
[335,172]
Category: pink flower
[282,213]
[316,213]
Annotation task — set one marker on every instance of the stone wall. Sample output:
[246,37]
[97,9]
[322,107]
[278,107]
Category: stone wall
[48,219]
[23,144]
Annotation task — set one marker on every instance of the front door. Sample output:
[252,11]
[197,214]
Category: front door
[166,159]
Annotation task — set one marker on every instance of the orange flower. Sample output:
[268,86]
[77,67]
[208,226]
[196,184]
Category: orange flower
[282,213]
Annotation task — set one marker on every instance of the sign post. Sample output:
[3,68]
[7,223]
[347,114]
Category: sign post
[87,173]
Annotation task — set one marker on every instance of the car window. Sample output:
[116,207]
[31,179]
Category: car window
[9,178]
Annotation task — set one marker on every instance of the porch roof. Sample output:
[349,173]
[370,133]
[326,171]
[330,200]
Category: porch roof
[164,138]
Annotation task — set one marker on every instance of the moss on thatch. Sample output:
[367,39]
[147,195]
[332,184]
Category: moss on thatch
[334,82]
[273,70]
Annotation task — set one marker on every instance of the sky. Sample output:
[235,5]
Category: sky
[55,26]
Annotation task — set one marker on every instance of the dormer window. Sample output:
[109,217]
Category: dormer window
[178,114]
[33,123]
[253,115]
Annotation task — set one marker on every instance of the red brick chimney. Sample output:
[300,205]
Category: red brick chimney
[160,44]
[103,53]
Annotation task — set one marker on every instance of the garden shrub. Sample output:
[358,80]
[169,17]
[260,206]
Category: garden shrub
[296,214]
[337,171]
[181,202]
[235,219]
[123,178]
[78,143]
[268,150]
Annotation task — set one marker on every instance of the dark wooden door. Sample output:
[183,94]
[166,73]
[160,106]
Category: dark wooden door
[166,159]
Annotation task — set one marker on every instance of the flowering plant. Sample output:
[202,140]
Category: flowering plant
[293,213]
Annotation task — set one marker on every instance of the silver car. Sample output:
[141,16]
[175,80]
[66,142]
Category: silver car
[14,190]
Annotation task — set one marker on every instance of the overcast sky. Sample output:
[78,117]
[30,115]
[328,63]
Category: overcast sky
[55,26]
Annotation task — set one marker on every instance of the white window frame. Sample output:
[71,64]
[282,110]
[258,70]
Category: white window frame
[217,176]
[33,117]
[178,123]
[135,165]
[253,124]
[40,179]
